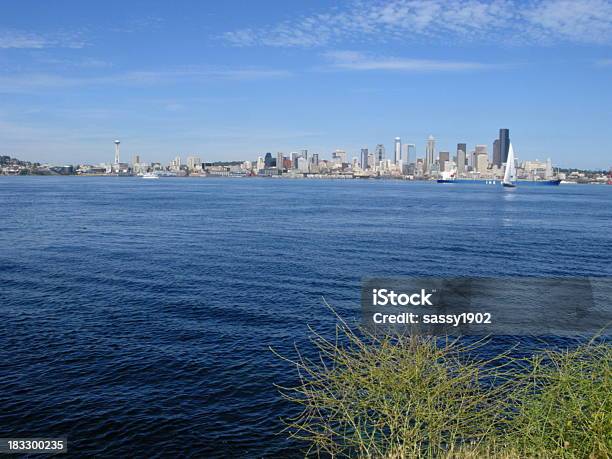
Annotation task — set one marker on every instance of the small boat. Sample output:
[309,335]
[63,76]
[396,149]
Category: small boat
[510,172]
[150,175]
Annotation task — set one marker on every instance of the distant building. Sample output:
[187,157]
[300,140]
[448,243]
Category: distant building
[364,158]
[315,159]
[443,158]
[294,159]
[409,151]
[194,163]
[304,154]
[398,151]
[340,156]
[429,153]
[496,153]
[268,161]
[279,161]
[461,157]
[504,144]
[303,164]
[379,153]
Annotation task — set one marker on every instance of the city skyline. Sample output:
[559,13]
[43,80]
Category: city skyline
[231,81]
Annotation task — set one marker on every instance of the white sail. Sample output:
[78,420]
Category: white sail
[510,172]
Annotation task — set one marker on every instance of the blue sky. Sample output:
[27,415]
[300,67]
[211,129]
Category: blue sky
[235,79]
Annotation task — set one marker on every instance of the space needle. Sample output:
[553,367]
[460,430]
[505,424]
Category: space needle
[117,151]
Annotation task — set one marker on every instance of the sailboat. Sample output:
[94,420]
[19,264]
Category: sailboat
[510,172]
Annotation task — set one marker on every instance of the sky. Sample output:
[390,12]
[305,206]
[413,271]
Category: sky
[233,80]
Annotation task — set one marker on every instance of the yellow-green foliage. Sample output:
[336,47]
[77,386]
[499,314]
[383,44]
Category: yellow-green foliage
[404,397]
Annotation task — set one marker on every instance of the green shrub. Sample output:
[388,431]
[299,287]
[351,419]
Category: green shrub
[404,397]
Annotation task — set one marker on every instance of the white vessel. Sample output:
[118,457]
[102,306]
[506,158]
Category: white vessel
[150,175]
[510,172]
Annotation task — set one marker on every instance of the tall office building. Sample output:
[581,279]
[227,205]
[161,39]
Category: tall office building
[268,160]
[504,144]
[193,162]
[398,151]
[481,160]
[315,159]
[496,153]
[379,153]
[304,154]
[340,156]
[279,161]
[136,159]
[429,153]
[294,160]
[461,154]
[364,158]
[443,160]
[408,151]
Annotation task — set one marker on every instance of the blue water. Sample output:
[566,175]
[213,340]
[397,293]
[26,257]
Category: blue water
[136,316]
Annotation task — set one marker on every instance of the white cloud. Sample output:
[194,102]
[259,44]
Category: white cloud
[32,82]
[496,21]
[10,38]
[351,60]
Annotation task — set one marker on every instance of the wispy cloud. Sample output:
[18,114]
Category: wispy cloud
[604,63]
[352,60]
[11,38]
[31,82]
[496,21]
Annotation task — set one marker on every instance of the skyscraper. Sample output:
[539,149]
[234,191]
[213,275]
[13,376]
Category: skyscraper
[294,159]
[279,161]
[398,151]
[304,154]
[461,153]
[340,156]
[268,160]
[379,153]
[496,153]
[364,158]
[429,153]
[443,159]
[504,144]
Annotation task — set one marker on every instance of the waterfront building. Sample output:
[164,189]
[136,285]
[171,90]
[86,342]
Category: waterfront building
[482,159]
[429,153]
[364,158]
[398,151]
[339,156]
[294,159]
[194,162]
[496,153]
[268,160]
[461,157]
[548,173]
[303,165]
[279,161]
[504,144]
[443,158]
[408,151]
[379,153]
